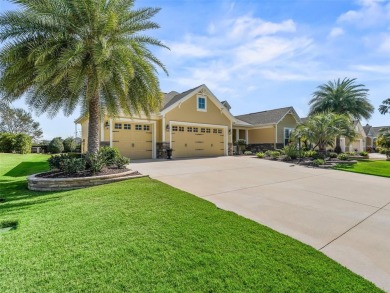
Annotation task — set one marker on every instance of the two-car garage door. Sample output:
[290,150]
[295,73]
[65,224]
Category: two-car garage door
[134,140]
[194,141]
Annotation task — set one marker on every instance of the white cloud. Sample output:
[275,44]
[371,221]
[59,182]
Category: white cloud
[385,44]
[253,27]
[371,13]
[189,50]
[336,32]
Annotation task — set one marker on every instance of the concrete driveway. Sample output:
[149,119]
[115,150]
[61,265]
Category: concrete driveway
[344,215]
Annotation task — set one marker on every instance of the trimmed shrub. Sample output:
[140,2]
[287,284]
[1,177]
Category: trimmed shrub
[241,141]
[318,162]
[364,154]
[343,157]
[69,145]
[72,165]
[248,153]
[268,153]
[121,162]
[55,161]
[260,155]
[56,146]
[109,154]
[23,143]
[332,155]
[95,162]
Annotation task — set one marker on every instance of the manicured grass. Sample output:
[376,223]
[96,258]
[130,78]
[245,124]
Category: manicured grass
[378,168]
[144,236]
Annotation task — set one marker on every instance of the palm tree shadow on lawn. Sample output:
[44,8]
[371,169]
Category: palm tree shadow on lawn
[27,168]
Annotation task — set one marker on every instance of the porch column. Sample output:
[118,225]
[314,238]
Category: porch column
[246,136]
[237,134]
[110,132]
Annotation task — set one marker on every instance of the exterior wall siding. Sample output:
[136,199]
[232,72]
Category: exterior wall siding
[262,136]
[287,122]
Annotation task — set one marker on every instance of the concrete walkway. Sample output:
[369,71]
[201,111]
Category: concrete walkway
[344,215]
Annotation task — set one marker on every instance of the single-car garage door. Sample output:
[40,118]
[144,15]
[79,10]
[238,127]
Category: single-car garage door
[134,140]
[193,141]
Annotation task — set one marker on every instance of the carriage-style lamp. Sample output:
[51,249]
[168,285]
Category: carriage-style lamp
[107,125]
[167,127]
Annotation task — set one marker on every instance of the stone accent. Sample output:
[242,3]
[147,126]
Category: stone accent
[260,147]
[58,184]
[230,149]
[162,150]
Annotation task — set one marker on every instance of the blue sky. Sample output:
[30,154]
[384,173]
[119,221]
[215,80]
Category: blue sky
[261,55]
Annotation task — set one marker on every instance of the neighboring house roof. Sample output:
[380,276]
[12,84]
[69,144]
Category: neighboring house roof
[303,120]
[268,117]
[375,130]
[367,129]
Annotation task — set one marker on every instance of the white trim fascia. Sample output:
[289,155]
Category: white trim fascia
[110,132]
[102,131]
[226,128]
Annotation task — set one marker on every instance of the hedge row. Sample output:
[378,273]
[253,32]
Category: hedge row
[15,143]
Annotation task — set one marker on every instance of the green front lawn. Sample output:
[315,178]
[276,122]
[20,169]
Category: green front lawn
[143,236]
[378,168]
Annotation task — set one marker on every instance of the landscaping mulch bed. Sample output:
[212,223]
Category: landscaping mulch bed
[105,171]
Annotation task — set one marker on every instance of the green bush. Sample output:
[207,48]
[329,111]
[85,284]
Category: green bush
[291,151]
[109,154]
[7,142]
[310,154]
[268,153]
[248,153]
[318,162]
[72,165]
[332,155]
[55,161]
[364,154]
[343,157]
[95,162]
[23,143]
[69,145]
[56,146]
[260,155]
[285,158]
[275,154]
[241,142]
[121,161]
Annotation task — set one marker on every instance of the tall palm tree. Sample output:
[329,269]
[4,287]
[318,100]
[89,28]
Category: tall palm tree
[321,129]
[342,97]
[65,53]
[385,107]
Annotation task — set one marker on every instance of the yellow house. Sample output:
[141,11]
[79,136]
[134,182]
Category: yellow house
[193,123]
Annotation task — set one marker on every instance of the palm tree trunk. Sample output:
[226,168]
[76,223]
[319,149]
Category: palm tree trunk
[93,125]
[338,145]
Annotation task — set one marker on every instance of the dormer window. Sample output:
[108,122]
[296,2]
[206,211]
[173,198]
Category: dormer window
[202,106]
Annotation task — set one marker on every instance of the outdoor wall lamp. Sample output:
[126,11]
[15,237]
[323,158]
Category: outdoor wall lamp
[230,131]
[167,127]
[107,125]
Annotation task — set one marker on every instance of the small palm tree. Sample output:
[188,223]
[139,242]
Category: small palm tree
[322,129]
[342,97]
[385,107]
[65,53]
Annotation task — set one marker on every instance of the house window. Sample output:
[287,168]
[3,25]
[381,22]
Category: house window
[138,127]
[203,130]
[118,126]
[146,127]
[195,129]
[201,103]
[189,129]
[220,131]
[287,135]
[127,126]
[208,130]
[174,128]
[181,128]
[215,131]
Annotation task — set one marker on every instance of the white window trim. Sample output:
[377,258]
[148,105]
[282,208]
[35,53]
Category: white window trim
[205,103]
[284,134]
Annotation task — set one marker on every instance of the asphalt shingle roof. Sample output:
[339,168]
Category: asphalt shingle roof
[265,117]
